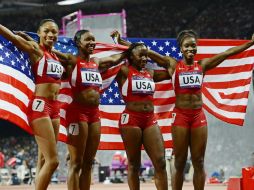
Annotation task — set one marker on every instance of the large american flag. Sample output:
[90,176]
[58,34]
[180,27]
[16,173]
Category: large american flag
[225,91]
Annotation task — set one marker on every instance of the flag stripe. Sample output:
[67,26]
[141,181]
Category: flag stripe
[220,42]
[247,53]
[5,96]
[221,85]
[235,95]
[231,108]
[18,76]
[225,70]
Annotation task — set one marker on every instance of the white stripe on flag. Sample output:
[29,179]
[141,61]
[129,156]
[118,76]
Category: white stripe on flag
[227,77]
[13,109]
[233,115]
[9,89]
[18,76]
[214,49]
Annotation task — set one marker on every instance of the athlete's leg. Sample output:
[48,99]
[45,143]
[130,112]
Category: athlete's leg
[45,138]
[41,160]
[154,146]
[132,139]
[77,142]
[197,149]
[92,143]
[181,140]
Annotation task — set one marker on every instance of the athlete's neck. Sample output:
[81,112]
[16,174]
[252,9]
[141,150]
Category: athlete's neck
[47,48]
[188,61]
[137,67]
[84,56]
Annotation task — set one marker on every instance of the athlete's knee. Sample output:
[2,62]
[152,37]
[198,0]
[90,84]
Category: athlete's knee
[75,165]
[133,167]
[198,163]
[160,164]
[53,163]
[180,164]
[87,165]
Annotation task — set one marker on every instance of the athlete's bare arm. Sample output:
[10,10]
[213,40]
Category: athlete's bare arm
[30,47]
[107,62]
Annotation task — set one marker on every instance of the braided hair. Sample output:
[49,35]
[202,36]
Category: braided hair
[184,34]
[132,47]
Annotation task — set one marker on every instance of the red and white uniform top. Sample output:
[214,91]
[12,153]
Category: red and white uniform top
[187,79]
[85,75]
[139,86]
[48,69]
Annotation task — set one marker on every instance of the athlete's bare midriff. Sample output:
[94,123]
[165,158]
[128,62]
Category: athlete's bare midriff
[89,97]
[189,101]
[47,90]
[140,106]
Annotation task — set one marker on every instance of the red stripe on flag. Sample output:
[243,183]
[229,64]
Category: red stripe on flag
[220,42]
[224,85]
[109,130]
[111,146]
[11,98]
[10,80]
[247,53]
[62,137]
[234,95]
[228,70]
[163,86]
[164,101]
[112,116]
[111,72]
[165,129]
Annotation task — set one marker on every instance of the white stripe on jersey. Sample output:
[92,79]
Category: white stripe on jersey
[41,66]
[74,76]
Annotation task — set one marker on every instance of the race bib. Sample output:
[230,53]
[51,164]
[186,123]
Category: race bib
[73,129]
[38,105]
[142,85]
[125,118]
[91,77]
[54,68]
[191,79]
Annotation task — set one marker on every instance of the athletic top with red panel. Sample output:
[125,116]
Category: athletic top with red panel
[187,79]
[139,86]
[48,69]
[85,75]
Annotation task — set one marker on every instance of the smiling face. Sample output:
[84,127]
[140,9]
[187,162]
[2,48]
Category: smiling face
[87,43]
[48,33]
[189,48]
[139,56]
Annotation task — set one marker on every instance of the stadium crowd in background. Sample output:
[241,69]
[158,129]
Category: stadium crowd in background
[22,148]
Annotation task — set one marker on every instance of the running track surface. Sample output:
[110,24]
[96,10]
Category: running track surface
[144,186]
